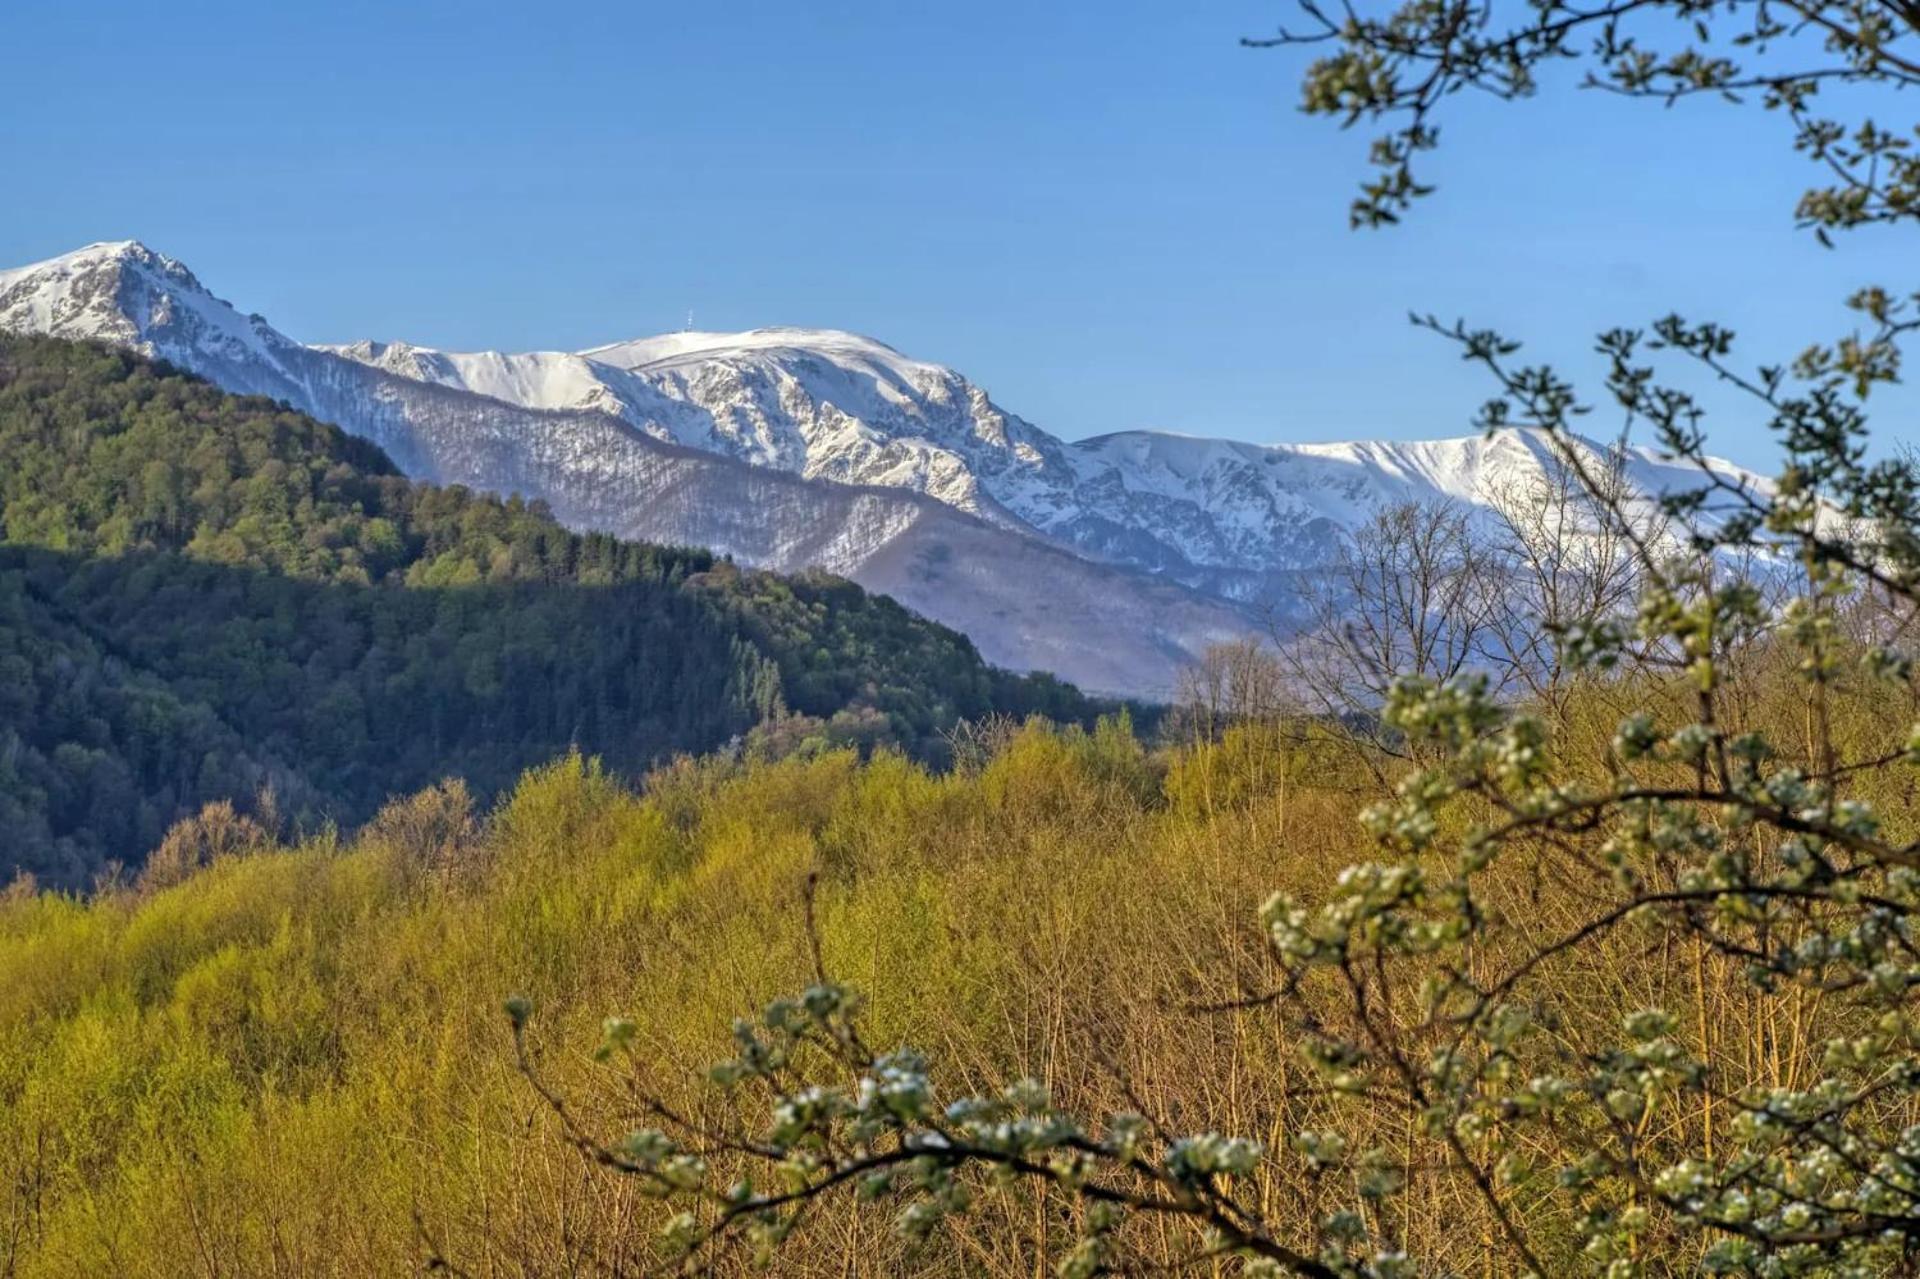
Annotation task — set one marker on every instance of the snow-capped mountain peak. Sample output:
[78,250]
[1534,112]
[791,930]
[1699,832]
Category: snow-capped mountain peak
[819,403]
[1224,515]
[113,290]
[1112,560]
[836,344]
[123,292]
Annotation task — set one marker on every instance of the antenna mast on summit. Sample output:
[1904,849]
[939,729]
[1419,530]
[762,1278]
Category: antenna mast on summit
[689,319]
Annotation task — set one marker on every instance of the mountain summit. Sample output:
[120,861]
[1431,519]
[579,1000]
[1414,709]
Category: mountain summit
[1111,561]
[125,293]
[1229,518]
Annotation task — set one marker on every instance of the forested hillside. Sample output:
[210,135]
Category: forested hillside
[300,1049]
[205,596]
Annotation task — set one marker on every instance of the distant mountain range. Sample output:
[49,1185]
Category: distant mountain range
[1112,561]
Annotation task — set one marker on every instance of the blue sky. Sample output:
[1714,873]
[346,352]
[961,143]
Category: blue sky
[1108,214]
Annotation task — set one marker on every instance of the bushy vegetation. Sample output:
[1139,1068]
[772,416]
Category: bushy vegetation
[205,596]
[1620,979]
[1543,913]
[292,1056]
[281,1057]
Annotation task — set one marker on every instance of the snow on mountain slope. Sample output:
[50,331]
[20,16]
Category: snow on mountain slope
[537,380]
[1248,487]
[124,292]
[1229,518]
[1227,505]
[819,403]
